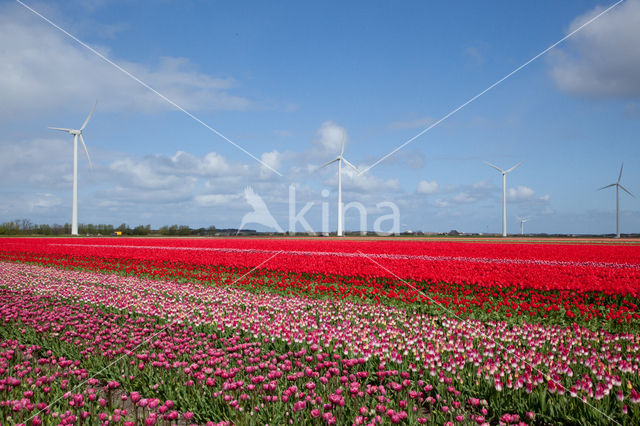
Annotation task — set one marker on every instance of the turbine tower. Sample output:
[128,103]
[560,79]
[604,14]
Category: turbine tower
[523,220]
[77,134]
[504,194]
[618,187]
[340,159]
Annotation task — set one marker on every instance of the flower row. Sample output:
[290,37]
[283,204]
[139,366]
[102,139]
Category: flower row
[225,353]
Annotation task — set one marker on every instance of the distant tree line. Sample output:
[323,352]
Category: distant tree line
[186,231]
[26,227]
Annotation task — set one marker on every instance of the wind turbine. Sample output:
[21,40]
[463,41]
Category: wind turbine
[504,194]
[340,159]
[523,220]
[77,134]
[618,187]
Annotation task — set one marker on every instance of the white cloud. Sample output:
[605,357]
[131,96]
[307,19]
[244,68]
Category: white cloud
[119,195]
[42,68]
[208,200]
[483,185]
[425,187]
[212,164]
[32,205]
[142,174]
[463,198]
[329,138]
[520,193]
[468,194]
[156,171]
[183,163]
[272,159]
[526,196]
[603,59]
[45,201]
[41,163]
[485,190]
[326,146]
[366,182]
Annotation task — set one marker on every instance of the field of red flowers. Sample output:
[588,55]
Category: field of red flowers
[302,331]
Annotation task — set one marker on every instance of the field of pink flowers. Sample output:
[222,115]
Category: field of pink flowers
[94,347]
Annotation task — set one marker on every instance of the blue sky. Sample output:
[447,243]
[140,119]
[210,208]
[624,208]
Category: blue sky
[284,79]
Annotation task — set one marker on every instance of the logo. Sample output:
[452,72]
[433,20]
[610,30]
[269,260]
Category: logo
[261,214]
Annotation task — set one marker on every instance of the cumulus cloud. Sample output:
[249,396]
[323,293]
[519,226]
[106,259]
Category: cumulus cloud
[41,67]
[326,146]
[603,59]
[126,195]
[485,190]
[442,203]
[520,193]
[480,190]
[271,159]
[44,201]
[425,187]
[526,195]
[211,164]
[367,182]
[162,170]
[142,175]
[463,198]
[41,163]
[182,172]
[460,195]
[31,205]
[329,137]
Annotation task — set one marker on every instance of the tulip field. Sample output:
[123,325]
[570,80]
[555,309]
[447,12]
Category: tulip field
[108,331]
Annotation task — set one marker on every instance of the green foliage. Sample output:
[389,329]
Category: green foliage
[26,227]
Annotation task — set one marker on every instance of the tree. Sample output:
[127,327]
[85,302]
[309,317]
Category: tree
[44,230]
[141,230]
[10,228]
[26,226]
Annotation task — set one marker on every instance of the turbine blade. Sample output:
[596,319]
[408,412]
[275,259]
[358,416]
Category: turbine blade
[620,175]
[608,186]
[327,163]
[513,168]
[60,128]
[89,116]
[85,151]
[350,165]
[494,166]
[625,190]
[342,148]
